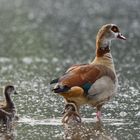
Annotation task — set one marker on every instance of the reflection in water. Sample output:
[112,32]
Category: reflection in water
[83,131]
[52,129]
[76,130]
[9,134]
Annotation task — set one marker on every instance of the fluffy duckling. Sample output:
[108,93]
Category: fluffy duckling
[71,114]
[8,110]
[95,83]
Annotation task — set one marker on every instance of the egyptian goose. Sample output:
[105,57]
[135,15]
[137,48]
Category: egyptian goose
[95,83]
[7,109]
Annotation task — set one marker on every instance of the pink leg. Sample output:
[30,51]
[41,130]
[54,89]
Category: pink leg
[98,115]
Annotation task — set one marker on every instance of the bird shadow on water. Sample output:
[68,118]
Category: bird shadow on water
[87,131]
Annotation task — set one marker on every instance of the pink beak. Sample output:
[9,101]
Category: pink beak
[120,36]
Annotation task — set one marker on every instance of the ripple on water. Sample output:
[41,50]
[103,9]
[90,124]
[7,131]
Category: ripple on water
[57,121]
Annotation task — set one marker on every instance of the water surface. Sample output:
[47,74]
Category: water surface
[39,39]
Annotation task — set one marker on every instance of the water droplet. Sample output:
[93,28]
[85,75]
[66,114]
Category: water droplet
[123,114]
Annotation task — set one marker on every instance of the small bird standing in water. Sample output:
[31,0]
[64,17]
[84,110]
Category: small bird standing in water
[8,109]
[95,83]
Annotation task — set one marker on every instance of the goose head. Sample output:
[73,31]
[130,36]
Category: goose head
[9,89]
[107,33]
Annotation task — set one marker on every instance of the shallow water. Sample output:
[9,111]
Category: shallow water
[39,39]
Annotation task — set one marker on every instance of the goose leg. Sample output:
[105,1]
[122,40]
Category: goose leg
[98,113]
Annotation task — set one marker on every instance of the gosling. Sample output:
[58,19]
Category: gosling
[8,109]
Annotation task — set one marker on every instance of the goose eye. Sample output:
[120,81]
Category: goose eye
[115,29]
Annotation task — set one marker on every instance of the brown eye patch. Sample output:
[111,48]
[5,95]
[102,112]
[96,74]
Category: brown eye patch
[115,29]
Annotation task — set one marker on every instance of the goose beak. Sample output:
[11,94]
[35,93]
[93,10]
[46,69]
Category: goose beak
[120,36]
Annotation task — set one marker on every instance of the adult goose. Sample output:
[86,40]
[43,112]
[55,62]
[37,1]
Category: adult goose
[95,83]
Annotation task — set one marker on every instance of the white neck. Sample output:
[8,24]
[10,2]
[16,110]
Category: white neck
[106,42]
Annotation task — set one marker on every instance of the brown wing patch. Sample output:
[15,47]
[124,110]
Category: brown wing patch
[74,66]
[71,79]
[85,73]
